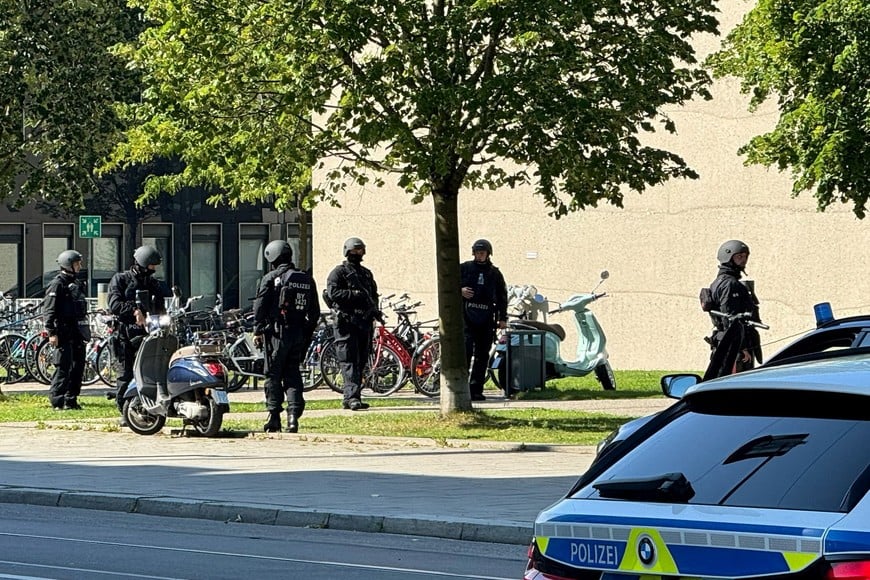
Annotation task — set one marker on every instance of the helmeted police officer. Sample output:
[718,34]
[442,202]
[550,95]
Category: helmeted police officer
[484,302]
[286,310]
[736,348]
[353,293]
[66,321]
[131,320]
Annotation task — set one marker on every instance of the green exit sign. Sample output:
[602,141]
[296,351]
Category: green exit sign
[90,226]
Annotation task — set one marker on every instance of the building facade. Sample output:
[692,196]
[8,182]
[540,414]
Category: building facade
[206,250]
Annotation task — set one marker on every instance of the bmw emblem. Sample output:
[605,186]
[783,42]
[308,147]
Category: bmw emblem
[646,551]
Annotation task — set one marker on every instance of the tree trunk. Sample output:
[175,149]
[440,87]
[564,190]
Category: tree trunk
[455,395]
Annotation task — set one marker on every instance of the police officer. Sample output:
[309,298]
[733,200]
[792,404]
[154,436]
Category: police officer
[484,301]
[736,345]
[66,321]
[131,320]
[353,293]
[286,311]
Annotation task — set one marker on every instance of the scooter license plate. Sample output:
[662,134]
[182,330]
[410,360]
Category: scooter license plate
[220,397]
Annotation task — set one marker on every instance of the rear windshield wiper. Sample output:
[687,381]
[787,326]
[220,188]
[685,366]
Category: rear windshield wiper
[671,487]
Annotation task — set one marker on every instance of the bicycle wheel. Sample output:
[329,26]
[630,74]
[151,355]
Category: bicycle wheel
[235,379]
[109,366]
[385,373]
[91,373]
[312,376]
[45,361]
[12,365]
[329,368]
[426,368]
[31,349]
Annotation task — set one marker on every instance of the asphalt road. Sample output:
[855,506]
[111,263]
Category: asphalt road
[57,543]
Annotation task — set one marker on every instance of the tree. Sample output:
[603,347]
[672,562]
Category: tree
[443,94]
[58,84]
[813,57]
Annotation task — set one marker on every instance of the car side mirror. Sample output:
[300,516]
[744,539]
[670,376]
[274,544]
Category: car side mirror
[675,386]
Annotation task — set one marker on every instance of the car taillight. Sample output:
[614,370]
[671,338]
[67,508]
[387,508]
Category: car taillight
[850,570]
[533,573]
[214,368]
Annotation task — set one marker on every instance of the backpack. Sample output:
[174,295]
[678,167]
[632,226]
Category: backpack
[708,303]
[290,310]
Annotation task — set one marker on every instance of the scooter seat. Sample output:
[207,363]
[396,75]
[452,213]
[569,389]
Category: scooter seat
[152,360]
[554,328]
[206,350]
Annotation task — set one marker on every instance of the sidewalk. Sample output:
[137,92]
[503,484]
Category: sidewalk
[463,490]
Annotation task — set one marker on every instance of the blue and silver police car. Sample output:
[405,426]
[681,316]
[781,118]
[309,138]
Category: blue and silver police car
[763,474]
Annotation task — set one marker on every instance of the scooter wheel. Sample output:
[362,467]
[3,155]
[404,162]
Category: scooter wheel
[211,425]
[604,374]
[140,420]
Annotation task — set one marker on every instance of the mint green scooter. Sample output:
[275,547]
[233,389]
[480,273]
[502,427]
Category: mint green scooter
[591,355]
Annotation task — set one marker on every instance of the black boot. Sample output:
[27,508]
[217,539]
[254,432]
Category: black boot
[273,425]
[292,423]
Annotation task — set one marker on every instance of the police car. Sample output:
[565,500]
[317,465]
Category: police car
[758,474]
[831,337]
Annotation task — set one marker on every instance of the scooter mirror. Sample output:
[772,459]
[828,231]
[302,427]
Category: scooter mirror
[605,274]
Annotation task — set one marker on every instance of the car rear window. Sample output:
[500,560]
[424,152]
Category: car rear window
[787,450]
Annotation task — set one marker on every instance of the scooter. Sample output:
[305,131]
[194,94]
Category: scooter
[591,352]
[188,382]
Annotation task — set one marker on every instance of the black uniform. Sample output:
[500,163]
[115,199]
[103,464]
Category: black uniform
[354,294]
[122,302]
[482,313]
[731,296]
[66,316]
[286,311]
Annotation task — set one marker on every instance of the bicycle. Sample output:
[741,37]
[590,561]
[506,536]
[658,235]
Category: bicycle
[101,361]
[384,372]
[324,334]
[391,362]
[14,335]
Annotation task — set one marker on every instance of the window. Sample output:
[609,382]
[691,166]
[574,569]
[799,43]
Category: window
[11,259]
[252,265]
[205,242]
[106,257]
[55,239]
[160,236]
[790,450]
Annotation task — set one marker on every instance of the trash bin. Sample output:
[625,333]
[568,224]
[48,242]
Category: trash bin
[525,360]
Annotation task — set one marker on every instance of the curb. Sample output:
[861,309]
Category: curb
[502,532]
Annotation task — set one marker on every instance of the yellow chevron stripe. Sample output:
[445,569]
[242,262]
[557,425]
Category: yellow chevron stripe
[664,563]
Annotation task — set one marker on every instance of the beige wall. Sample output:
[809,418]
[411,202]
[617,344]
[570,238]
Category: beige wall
[660,248]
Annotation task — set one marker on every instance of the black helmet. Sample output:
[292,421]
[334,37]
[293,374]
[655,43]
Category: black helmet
[147,256]
[729,248]
[353,244]
[278,251]
[67,258]
[482,245]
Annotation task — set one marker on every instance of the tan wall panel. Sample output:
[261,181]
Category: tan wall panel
[660,248]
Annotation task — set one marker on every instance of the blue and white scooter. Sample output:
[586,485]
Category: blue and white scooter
[188,383]
[591,353]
